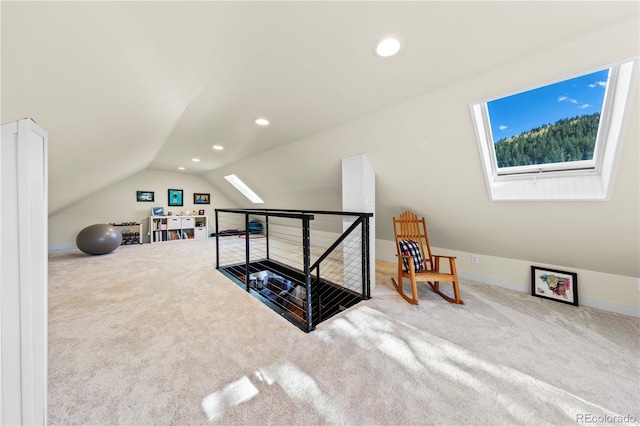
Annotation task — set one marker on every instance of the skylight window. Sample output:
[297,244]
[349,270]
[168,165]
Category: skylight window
[562,139]
[551,127]
[244,189]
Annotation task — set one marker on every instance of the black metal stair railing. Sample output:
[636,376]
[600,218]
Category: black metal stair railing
[290,267]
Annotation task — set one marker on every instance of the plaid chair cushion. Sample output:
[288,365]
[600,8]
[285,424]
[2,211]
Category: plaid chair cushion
[411,248]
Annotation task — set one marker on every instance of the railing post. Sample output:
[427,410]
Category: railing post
[266,230]
[366,266]
[318,288]
[246,250]
[306,258]
[217,245]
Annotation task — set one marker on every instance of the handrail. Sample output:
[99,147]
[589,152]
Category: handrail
[337,242]
[272,212]
[262,212]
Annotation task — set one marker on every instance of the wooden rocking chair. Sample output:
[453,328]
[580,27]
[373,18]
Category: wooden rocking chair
[416,262]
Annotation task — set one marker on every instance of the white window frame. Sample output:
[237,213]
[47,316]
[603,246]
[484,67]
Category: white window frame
[244,189]
[576,180]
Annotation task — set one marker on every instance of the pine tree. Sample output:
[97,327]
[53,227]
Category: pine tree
[569,139]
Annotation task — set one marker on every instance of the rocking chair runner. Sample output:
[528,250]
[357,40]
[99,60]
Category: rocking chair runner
[416,262]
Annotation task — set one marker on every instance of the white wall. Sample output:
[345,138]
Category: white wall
[426,159]
[118,204]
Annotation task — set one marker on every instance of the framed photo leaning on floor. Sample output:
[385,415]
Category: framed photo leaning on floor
[553,284]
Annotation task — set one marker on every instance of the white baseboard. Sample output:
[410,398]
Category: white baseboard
[61,247]
[605,305]
[524,288]
[591,302]
[387,258]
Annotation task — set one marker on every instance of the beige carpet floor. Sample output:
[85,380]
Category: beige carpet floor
[154,335]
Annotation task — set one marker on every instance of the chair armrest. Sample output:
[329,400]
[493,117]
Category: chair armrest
[452,259]
[411,262]
[444,257]
[452,263]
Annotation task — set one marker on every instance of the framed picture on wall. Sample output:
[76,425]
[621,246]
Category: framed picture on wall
[175,197]
[560,286]
[199,198]
[200,212]
[145,196]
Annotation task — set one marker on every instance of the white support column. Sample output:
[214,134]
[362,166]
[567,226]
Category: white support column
[359,195]
[23,273]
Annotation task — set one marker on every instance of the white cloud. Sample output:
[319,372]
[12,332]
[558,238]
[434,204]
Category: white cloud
[502,127]
[566,98]
[573,101]
[598,84]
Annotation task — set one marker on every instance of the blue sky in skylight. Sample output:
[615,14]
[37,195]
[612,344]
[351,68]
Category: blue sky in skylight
[512,115]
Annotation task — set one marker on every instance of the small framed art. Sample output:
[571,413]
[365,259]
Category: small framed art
[199,198]
[561,286]
[147,196]
[175,197]
[200,212]
[157,211]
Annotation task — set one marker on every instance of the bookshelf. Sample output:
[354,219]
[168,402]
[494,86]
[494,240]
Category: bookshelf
[174,228]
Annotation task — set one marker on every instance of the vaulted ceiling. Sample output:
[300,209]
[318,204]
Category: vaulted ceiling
[126,86]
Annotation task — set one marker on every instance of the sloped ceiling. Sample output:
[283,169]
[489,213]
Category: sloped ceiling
[125,86]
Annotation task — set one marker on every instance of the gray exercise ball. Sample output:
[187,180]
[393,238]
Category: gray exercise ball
[99,239]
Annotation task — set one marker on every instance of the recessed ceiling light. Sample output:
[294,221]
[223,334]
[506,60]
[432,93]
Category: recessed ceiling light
[195,160]
[261,121]
[180,168]
[218,147]
[388,47]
